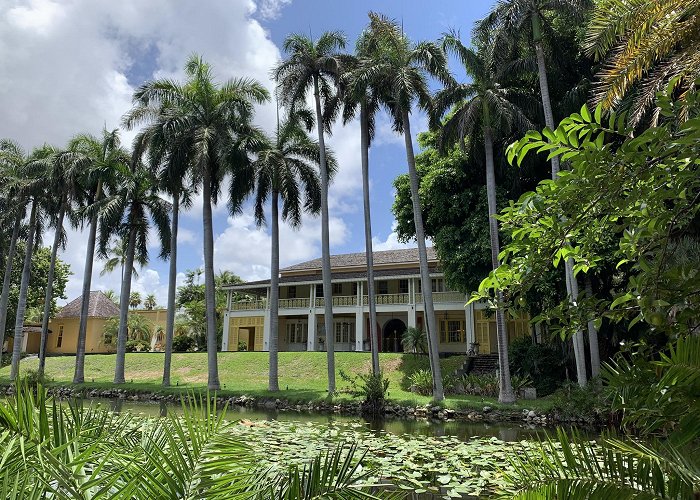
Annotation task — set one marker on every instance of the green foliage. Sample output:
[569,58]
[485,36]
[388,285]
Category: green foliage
[134,300]
[138,329]
[422,382]
[573,402]
[414,340]
[641,191]
[242,346]
[182,343]
[487,385]
[541,362]
[41,259]
[373,389]
[137,346]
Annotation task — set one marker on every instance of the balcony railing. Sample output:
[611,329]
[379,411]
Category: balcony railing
[389,299]
[340,300]
[248,305]
[442,297]
[294,303]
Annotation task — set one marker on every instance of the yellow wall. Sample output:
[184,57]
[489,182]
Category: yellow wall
[239,329]
[94,338]
[485,330]
[158,318]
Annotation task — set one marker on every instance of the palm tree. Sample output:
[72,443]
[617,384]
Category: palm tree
[284,169]
[128,211]
[362,94]
[34,189]
[644,45]
[402,67]
[97,159]
[116,257]
[66,190]
[12,161]
[316,66]
[513,20]
[150,302]
[134,297]
[506,24]
[207,122]
[484,109]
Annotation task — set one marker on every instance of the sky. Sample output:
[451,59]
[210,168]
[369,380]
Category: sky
[71,66]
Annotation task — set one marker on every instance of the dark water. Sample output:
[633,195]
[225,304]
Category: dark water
[511,431]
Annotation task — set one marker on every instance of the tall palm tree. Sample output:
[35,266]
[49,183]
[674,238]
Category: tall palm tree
[285,169]
[483,109]
[513,20]
[509,22]
[128,211]
[35,190]
[150,302]
[316,66]
[402,68]
[65,191]
[97,158]
[12,161]
[643,45]
[116,257]
[208,122]
[363,94]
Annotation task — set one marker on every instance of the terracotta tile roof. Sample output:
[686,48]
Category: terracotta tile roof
[100,306]
[401,256]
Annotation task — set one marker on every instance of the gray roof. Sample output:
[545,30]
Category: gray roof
[401,256]
[100,306]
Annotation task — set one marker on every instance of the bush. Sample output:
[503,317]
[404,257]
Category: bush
[242,346]
[422,382]
[137,346]
[183,343]
[373,389]
[543,363]
[33,379]
[488,385]
[572,401]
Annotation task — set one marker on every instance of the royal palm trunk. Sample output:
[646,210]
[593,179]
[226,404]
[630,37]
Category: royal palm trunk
[273,384]
[579,346]
[123,333]
[79,375]
[505,393]
[593,337]
[48,298]
[426,283]
[172,280]
[24,285]
[7,277]
[209,286]
[325,247]
[364,145]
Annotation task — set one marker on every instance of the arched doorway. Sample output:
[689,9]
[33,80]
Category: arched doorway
[391,335]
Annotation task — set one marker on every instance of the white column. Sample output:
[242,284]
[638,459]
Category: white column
[469,324]
[25,338]
[359,319]
[224,337]
[311,345]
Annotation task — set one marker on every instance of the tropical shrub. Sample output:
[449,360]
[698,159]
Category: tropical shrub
[182,343]
[414,340]
[373,389]
[137,346]
[543,363]
[421,381]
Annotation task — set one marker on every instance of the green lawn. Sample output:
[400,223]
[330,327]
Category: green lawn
[303,375]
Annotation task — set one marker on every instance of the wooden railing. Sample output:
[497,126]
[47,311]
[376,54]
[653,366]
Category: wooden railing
[248,305]
[389,299]
[340,300]
[442,297]
[294,303]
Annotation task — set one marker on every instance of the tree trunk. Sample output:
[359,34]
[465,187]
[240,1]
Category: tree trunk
[544,85]
[48,299]
[7,277]
[172,281]
[325,247]
[24,285]
[123,333]
[593,337]
[426,283]
[505,393]
[79,375]
[273,384]
[364,145]
[209,286]
[579,347]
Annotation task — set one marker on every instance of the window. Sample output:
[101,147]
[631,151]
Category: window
[344,331]
[297,333]
[319,290]
[291,292]
[451,331]
[59,340]
[403,286]
[354,288]
[337,289]
[382,287]
[438,285]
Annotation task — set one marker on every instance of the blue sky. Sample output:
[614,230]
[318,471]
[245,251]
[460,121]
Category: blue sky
[70,66]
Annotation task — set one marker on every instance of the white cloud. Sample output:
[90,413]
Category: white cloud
[392,241]
[270,9]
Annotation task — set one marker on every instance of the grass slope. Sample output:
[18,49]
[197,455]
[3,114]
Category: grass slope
[302,375]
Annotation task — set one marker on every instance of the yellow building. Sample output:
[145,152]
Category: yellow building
[399,302]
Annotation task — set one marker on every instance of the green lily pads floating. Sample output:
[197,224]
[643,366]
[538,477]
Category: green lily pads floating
[443,466]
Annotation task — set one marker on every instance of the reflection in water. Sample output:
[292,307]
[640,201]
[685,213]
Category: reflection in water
[463,430]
